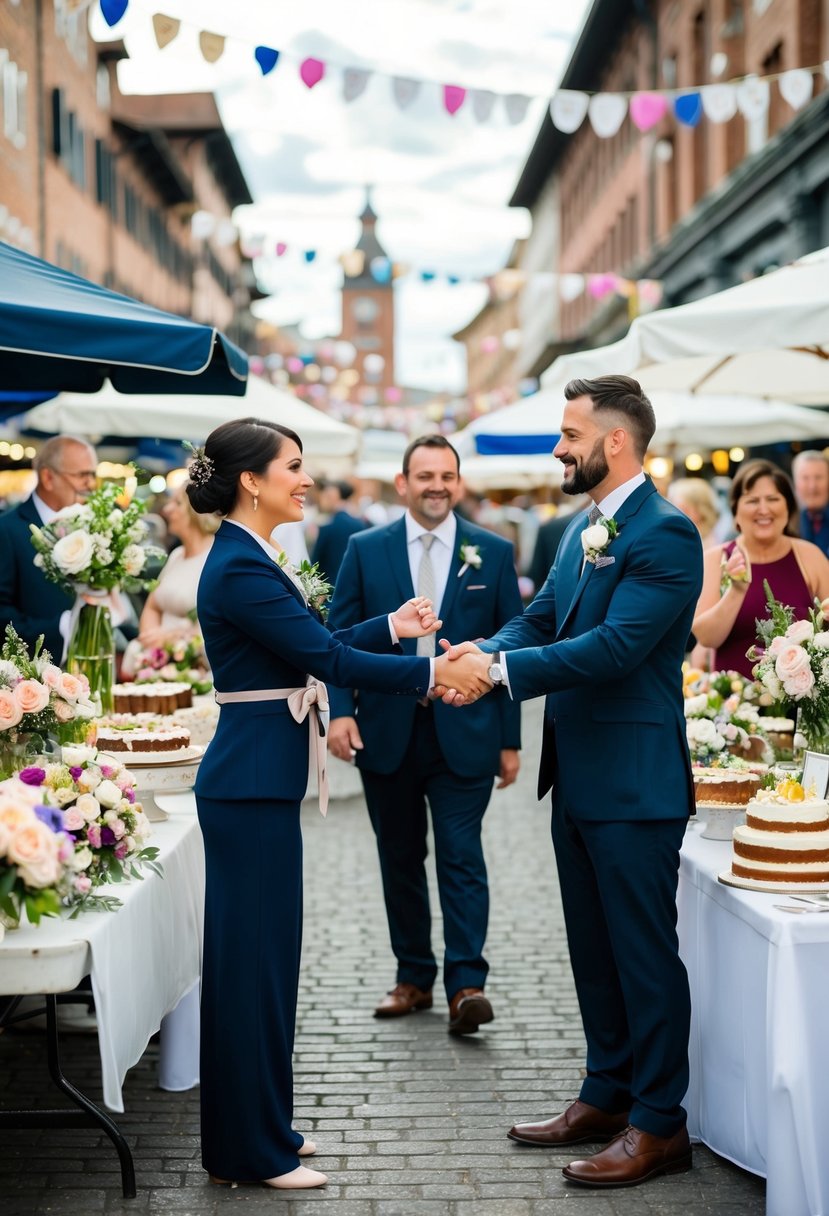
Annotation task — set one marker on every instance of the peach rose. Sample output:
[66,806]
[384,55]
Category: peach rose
[70,686]
[31,696]
[51,676]
[790,660]
[10,711]
[63,711]
[800,684]
[34,850]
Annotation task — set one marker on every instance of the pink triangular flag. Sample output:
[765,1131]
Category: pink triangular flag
[311,71]
[646,109]
[281,247]
[453,97]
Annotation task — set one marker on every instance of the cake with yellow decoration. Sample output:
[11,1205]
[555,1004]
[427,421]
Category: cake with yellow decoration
[785,838]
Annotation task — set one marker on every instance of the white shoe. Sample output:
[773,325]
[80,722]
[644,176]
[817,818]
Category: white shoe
[299,1179]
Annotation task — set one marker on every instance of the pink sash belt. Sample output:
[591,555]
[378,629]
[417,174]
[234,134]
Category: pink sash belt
[310,701]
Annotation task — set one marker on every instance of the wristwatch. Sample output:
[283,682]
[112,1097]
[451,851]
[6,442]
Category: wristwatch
[496,669]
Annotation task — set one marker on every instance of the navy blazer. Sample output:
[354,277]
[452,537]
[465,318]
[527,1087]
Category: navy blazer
[332,541]
[259,634]
[375,578]
[819,536]
[27,599]
[606,643]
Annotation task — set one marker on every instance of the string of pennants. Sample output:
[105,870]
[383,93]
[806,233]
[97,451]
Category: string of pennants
[605,111]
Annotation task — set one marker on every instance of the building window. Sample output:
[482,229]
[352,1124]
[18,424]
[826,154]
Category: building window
[13,92]
[71,26]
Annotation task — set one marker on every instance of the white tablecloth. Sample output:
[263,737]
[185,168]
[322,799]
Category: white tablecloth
[143,958]
[759,1092]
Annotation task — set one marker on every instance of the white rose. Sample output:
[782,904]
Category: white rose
[73,553]
[90,779]
[133,558]
[771,682]
[64,795]
[108,794]
[703,733]
[77,754]
[82,858]
[595,537]
[800,631]
[821,641]
[89,807]
[696,705]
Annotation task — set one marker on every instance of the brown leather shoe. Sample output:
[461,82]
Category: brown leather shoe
[468,1010]
[579,1124]
[403,998]
[633,1157]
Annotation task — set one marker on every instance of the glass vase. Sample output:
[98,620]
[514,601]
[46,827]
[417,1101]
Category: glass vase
[91,652]
[18,749]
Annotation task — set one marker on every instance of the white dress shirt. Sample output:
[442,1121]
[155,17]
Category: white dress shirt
[441,552]
[46,513]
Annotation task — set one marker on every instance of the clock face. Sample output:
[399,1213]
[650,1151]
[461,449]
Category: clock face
[365,310]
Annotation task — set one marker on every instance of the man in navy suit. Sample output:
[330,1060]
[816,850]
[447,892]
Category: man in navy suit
[810,473]
[605,639]
[409,753]
[333,537]
[65,468]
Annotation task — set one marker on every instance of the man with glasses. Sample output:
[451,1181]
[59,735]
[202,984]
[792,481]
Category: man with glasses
[65,468]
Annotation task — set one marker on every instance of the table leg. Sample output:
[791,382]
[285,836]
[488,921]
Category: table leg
[86,1112]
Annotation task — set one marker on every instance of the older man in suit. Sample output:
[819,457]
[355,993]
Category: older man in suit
[605,640]
[65,468]
[409,753]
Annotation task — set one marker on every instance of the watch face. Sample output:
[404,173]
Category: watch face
[365,310]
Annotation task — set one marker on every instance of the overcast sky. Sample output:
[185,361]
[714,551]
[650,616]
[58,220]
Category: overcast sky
[440,183]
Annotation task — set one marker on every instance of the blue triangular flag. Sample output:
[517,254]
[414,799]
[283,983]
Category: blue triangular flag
[113,10]
[267,58]
[688,108]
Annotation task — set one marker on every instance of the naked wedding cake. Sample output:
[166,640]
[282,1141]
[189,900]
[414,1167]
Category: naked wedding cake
[139,733]
[156,697]
[785,838]
[725,786]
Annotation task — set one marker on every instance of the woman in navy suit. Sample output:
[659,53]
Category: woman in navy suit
[262,641]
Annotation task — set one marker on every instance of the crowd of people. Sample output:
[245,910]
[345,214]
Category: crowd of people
[426,656]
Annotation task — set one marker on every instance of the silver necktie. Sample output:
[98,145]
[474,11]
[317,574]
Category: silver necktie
[426,586]
[593,516]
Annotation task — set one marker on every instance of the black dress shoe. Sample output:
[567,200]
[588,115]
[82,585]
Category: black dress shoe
[579,1124]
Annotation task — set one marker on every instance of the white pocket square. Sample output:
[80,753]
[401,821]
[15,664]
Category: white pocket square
[476,587]
[604,561]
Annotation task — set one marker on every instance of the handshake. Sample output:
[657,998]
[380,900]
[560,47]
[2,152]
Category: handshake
[461,674]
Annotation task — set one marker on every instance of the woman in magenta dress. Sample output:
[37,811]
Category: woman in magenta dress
[767,549]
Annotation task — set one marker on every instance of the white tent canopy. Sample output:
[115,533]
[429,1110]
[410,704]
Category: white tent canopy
[329,446]
[767,338]
[683,422]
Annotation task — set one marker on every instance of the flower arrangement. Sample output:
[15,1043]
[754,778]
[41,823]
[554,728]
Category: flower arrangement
[96,799]
[596,538]
[35,853]
[181,659]
[721,715]
[36,698]
[316,590]
[470,556]
[792,663]
[94,545]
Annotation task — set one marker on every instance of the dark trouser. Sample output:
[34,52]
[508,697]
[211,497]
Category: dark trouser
[250,975]
[618,885]
[397,808]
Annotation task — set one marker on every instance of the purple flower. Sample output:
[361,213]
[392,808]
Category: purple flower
[107,835]
[121,850]
[33,775]
[129,794]
[75,772]
[50,815]
[107,770]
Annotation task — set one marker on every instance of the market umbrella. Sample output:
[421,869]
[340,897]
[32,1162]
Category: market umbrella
[59,331]
[683,421]
[766,338]
[330,446]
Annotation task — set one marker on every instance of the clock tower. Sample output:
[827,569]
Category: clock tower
[368,307]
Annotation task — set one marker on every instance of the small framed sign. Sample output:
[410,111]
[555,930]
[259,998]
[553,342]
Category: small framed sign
[816,773]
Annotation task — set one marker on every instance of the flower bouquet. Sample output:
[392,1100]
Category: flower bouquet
[96,799]
[181,659]
[721,715]
[37,699]
[35,853]
[92,548]
[792,663]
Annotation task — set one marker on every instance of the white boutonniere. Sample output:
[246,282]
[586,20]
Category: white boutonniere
[312,583]
[597,537]
[470,556]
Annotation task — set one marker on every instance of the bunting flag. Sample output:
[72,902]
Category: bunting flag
[212,46]
[404,90]
[165,29]
[355,82]
[113,10]
[453,97]
[267,58]
[311,71]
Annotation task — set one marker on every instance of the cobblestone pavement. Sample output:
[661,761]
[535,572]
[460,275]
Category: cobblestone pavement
[409,1121]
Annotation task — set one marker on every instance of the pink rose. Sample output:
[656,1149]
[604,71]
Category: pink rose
[63,711]
[93,835]
[800,631]
[775,646]
[34,849]
[119,828]
[83,884]
[51,676]
[10,710]
[790,659]
[73,820]
[799,684]
[121,850]
[70,686]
